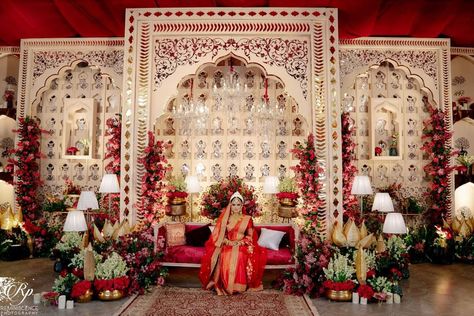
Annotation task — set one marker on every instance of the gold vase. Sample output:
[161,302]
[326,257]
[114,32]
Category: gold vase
[339,296]
[177,201]
[287,212]
[86,297]
[287,202]
[110,295]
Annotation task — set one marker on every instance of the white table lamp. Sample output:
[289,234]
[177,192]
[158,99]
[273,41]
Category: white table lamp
[87,200]
[361,186]
[192,186]
[75,222]
[270,186]
[109,185]
[383,203]
[394,224]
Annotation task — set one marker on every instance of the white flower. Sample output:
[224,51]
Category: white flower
[340,268]
[113,267]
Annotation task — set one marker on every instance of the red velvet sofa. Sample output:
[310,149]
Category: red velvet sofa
[190,256]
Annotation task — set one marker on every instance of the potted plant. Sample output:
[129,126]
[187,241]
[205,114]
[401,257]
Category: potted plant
[339,274]
[82,291]
[111,280]
[177,191]
[287,195]
[365,293]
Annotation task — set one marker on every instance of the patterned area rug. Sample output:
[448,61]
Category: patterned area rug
[172,301]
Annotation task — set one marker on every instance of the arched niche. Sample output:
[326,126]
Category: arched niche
[386,128]
[464,200]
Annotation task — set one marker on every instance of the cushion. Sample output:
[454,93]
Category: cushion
[198,236]
[270,238]
[175,234]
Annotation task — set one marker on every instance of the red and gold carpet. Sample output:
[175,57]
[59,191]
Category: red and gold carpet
[172,301]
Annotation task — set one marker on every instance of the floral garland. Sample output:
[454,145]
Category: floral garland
[27,170]
[152,204]
[348,169]
[437,136]
[308,172]
[114,129]
[217,196]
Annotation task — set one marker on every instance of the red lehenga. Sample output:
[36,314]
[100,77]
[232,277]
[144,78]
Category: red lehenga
[233,262]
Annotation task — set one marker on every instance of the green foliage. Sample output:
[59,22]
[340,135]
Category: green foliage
[287,185]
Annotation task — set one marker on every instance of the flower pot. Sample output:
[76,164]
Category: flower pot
[287,212]
[176,210]
[339,296]
[287,202]
[86,297]
[110,295]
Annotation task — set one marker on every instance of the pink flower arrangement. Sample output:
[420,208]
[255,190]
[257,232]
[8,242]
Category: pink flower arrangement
[436,138]
[152,205]
[350,203]
[308,172]
[114,130]
[27,170]
[217,197]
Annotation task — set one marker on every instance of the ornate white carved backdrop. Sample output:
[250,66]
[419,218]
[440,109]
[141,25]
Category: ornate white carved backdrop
[55,70]
[408,73]
[299,46]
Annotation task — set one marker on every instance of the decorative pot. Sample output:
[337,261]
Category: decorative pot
[393,151]
[176,210]
[287,212]
[339,296]
[110,295]
[287,202]
[86,297]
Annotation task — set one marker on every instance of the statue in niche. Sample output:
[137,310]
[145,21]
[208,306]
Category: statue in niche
[51,123]
[79,169]
[397,173]
[249,125]
[382,174]
[365,171]
[233,125]
[83,81]
[52,104]
[169,149]
[249,170]
[412,170]
[265,170]
[379,80]
[282,130]
[217,126]
[364,83]
[363,108]
[411,127]
[169,130]
[233,149]
[282,150]
[297,127]
[265,149]
[249,154]
[364,151]
[184,170]
[94,170]
[200,170]
[68,80]
[249,103]
[281,171]
[49,172]
[347,103]
[202,77]
[185,149]
[412,151]
[233,170]
[364,127]
[218,103]
[97,80]
[216,172]
[217,149]
[411,104]
[380,128]
[81,124]
[218,79]
[64,171]
[281,102]
[50,149]
[250,79]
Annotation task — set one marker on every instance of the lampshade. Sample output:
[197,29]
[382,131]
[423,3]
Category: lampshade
[382,203]
[87,200]
[270,186]
[192,184]
[75,222]
[109,184]
[361,186]
[394,224]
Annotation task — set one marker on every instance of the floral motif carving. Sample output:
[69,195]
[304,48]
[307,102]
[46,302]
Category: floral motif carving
[44,60]
[291,54]
[355,58]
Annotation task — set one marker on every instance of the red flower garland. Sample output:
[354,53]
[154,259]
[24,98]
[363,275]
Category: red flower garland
[437,137]
[348,169]
[114,129]
[308,172]
[27,170]
[152,205]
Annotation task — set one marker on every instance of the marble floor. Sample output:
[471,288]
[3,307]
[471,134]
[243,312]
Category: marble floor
[431,290]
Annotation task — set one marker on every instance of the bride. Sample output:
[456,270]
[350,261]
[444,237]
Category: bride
[233,261]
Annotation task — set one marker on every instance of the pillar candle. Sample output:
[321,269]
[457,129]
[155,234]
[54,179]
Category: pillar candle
[363,301]
[70,304]
[389,298]
[62,302]
[355,298]
[37,298]
[396,298]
